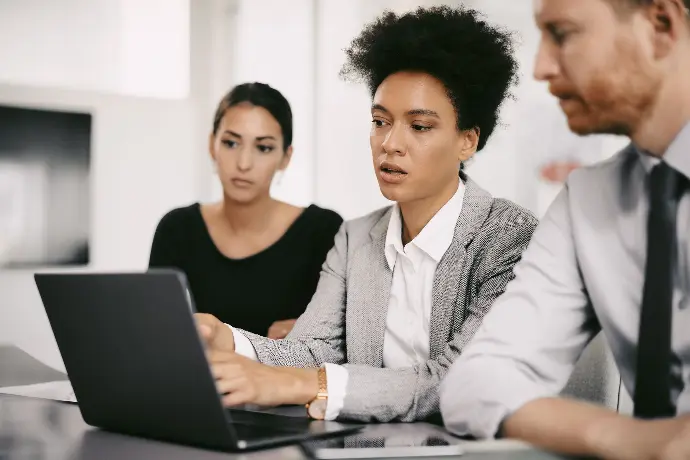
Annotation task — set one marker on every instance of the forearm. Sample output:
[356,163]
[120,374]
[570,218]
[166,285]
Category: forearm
[291,352]
[388,395]
[573,433]
[578,428]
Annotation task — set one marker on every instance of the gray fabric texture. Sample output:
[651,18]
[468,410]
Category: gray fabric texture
[345,321]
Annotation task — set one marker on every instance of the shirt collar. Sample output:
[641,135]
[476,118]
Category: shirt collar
[677,155]
[394,237]
[435,237]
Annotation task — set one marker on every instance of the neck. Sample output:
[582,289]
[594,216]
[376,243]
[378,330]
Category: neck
[416,214]
[251,217]
[669,114]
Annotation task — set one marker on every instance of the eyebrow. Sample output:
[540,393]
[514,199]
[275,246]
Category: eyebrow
[553,24]
[430,113]
[427,112]
[260,138]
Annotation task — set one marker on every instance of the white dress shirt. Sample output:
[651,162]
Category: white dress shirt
[406,339]
[583,271]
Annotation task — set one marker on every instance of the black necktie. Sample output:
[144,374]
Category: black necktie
[652,384]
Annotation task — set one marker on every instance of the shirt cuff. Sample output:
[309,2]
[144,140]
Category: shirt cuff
[242,345]
[336,380]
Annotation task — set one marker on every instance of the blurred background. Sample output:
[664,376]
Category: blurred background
[130,86]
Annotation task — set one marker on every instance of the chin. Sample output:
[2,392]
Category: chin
[580,128]
[392,193]
[241,198]
[584,127]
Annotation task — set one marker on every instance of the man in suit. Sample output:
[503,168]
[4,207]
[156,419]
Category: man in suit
[611,254]
[404,288]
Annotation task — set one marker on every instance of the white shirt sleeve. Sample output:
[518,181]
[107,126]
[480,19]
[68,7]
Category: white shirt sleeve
[529,342]
[336,380]
[242,345]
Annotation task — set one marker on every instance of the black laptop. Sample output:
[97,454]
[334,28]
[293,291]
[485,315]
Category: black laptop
[137,365]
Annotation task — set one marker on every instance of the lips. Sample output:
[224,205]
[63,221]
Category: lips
[241,182]
[568,103]
[391,174]
[391,168]
[566,97]
[563,93]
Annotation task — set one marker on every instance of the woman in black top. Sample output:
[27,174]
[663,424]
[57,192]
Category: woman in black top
[250,260]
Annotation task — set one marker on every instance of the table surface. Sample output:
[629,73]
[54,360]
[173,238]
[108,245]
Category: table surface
[38,429]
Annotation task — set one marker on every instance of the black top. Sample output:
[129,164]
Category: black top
[251,293]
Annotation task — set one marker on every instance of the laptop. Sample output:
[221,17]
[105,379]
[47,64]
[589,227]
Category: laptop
[137,365]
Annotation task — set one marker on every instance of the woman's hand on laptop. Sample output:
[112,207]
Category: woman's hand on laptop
[242,381]
[217,335]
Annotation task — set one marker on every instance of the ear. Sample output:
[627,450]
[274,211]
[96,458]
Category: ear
[468,145]
[285,161]
[669,19]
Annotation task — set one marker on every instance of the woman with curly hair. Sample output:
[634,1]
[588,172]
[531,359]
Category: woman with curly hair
[405,287]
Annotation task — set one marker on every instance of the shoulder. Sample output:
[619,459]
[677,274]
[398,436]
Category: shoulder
[507,215]
[323,217]
[319,226]
[359,230]
[367,222]
[506,232]
[603,173]
[179,218]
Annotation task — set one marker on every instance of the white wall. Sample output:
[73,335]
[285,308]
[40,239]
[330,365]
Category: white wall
[135,47]
[345,180]
[147,155]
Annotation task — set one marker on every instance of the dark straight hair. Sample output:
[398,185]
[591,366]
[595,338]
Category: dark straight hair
[259,95]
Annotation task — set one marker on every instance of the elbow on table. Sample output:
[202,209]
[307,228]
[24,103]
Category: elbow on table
[472,402]
[456,406]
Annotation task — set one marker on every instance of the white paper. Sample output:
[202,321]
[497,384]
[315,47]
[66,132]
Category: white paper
[56,391]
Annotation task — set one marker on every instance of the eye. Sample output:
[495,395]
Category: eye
[265,148]
[378,123]
[558,35]
[229,143]
[421,128]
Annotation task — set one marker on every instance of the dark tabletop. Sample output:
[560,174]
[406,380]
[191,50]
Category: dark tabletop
[38,429]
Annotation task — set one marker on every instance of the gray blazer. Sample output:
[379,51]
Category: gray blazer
[346,319]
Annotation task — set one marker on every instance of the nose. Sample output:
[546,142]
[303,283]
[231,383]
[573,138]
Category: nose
[546,65]
[394,143]
[245,159]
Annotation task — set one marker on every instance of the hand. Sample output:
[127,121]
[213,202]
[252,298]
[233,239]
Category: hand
[217,336]
[280,329]
[243,381]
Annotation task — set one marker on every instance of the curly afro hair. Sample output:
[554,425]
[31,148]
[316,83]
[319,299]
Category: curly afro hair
[473,59]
